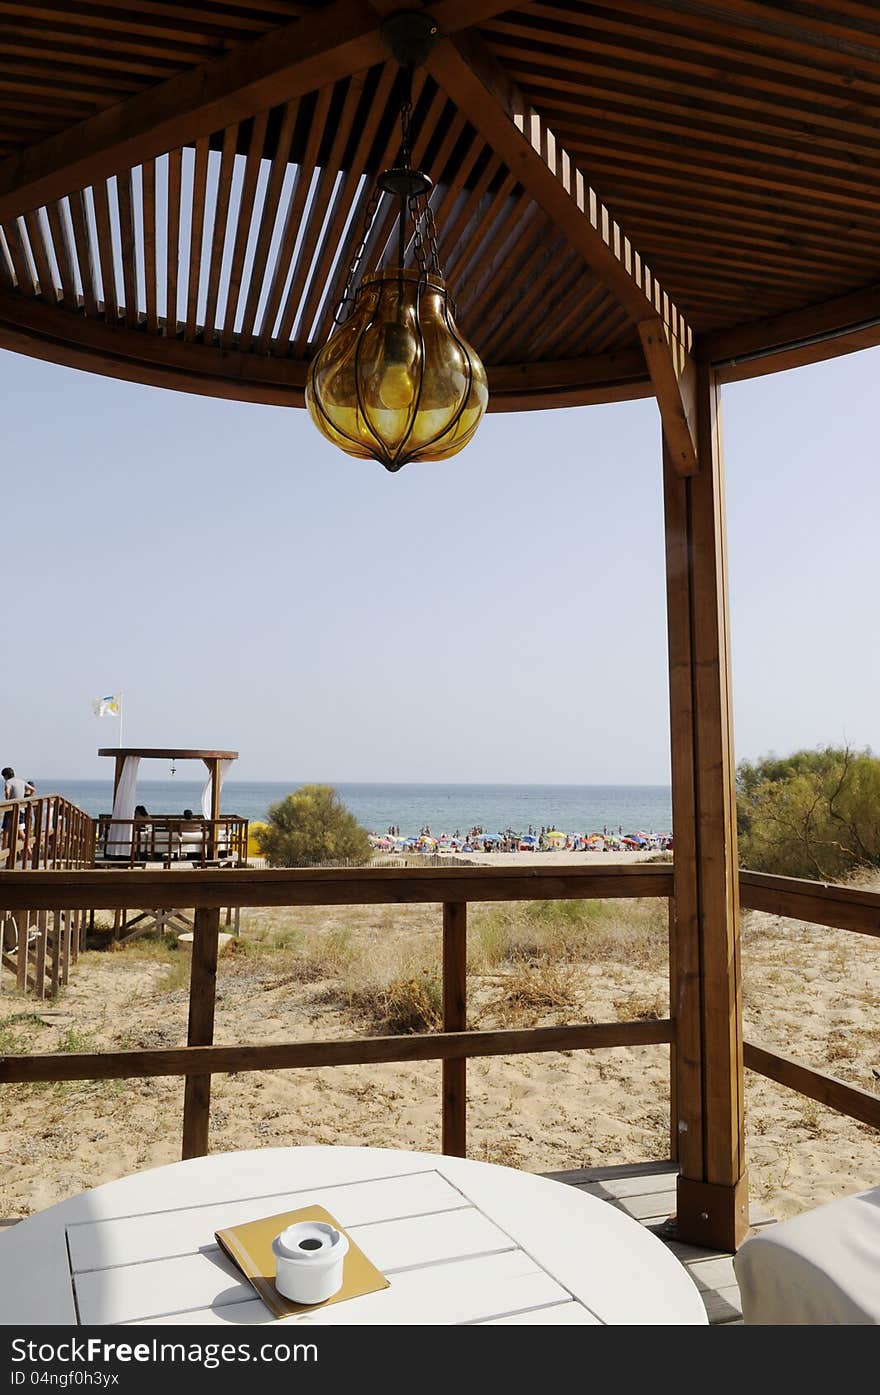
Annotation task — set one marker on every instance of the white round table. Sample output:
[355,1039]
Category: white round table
[460,1241]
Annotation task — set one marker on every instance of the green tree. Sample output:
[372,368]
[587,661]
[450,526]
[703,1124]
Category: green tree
[312,826]
[811,814]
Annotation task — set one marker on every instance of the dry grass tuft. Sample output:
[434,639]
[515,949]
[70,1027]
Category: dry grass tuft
[536,986]
[401,1006]
[641,1007]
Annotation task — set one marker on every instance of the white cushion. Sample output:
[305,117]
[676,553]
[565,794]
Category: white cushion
[822,1267]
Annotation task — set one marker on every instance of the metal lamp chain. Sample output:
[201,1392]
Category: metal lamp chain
[344,308]
[426,252]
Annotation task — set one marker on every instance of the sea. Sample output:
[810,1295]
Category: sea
[410,807]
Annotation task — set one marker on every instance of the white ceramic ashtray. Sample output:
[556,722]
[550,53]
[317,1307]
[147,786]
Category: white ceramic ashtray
[309,1259]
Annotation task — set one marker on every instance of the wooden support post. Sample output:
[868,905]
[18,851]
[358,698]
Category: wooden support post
[202,995]
[455,1020]
[57,939]
[23,921]
[40,954]
[706,1003]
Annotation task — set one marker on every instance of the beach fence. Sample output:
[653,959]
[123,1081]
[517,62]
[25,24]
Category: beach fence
[38,947]
[452,888]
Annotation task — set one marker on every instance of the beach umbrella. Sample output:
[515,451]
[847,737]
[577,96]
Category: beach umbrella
[528,838]
[554,836]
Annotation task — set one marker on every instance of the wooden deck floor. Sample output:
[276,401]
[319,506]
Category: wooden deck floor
[646,1191]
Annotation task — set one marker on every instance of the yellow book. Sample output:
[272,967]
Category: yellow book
[250,1247]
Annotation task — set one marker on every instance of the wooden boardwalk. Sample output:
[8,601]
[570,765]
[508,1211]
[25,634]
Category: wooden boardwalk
[646,1191]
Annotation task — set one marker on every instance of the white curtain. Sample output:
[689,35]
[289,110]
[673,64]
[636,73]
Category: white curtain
[206,792]
[119,838]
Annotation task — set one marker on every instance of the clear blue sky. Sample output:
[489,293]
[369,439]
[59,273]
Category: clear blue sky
[498,617]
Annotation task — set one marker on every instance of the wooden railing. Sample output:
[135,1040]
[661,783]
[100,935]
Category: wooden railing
[47,831]
[838,908]
[39,833]
[454,887]
[168,838]
[209,890]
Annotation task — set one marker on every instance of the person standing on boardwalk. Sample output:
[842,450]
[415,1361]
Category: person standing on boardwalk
[14,788]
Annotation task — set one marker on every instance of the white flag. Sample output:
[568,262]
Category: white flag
[108,706]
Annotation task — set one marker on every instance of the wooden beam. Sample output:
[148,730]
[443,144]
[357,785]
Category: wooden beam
[707,992]
[431,1046]
[202,998]
[469,73]
[340,39]
[49,333]
[822,903]
[782,341]
[674,377]
[330,886]
[847,1099]
[455,1020]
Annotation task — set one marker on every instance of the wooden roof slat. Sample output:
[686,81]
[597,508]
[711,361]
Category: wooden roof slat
[798,182]
[282,65]
[63,250]
[664,34]
[524,222]
[502,114]
[534,301]
[643,52]
[477,260]
[18,253]
[172,239]
[271,199]
[196,234]
[78,60]
[584,309]
[148,195]
[40,255]
[150,22]
[318,198]
[84,254]
[220,229]
[545,80]
[454,232]
[330,242]
[7,275]
[125,199]
[66,34]
[356,226]
[558,295]
[243,223]
[106,261]
[502,294]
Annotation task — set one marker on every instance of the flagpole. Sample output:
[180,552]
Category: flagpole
[120,721]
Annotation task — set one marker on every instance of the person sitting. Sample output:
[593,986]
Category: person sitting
[192,840]
[142,831]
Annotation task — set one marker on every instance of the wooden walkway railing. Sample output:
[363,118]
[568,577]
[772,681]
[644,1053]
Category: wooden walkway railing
[167,838]
[51,893]
[210,890]
[41,833]
[838,908]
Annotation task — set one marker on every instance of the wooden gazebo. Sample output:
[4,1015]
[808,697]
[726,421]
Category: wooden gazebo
[633,199]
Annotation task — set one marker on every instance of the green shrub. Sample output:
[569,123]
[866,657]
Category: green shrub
[312,826]
[812,814]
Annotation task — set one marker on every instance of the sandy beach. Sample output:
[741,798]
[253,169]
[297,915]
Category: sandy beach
[302,975]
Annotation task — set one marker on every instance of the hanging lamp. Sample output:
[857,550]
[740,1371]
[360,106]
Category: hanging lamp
[396,381]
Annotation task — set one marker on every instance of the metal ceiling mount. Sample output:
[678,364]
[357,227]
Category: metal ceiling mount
[409,36]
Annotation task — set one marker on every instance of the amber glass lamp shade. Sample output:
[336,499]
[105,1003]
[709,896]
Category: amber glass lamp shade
[397,382]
